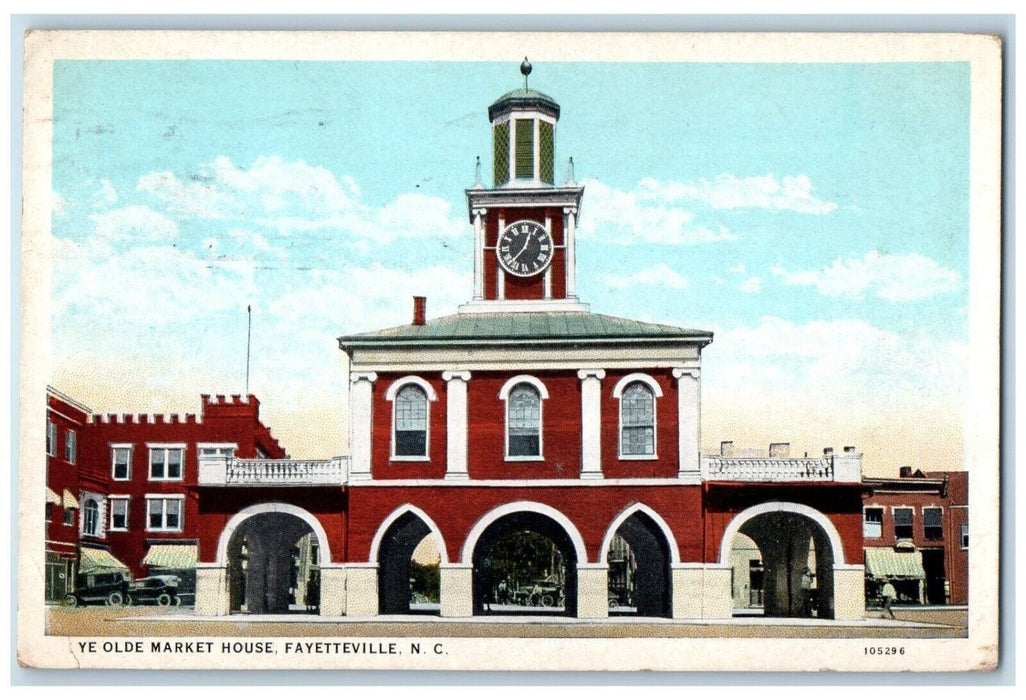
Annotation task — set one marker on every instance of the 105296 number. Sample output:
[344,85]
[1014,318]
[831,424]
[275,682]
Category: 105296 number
[884,651]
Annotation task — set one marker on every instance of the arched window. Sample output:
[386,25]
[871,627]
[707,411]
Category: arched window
[523,422]
[637,420]
[91,517]
[411,422]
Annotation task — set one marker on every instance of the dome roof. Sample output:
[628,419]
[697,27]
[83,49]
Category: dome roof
[523,99]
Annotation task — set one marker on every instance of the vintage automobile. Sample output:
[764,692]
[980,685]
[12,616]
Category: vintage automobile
[544,593]
[108,588]
[155,590]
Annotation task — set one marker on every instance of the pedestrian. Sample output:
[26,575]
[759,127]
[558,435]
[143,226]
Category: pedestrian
[806,588]
[889,594]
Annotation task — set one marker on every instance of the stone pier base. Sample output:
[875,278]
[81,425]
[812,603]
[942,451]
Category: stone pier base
[701,591]
[456,590]
[592,591]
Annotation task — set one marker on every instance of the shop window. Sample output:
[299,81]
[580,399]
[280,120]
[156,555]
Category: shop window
[872,523]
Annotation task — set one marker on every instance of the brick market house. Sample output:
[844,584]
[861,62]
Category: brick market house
[527,414]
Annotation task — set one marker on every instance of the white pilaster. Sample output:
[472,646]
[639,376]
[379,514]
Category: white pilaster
[479,253]
[591,422]
[569,235]
[361,396]
[592,591]
[500,274]
[456,424]
[456,590]
[689,421]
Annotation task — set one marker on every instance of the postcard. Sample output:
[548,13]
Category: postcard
[510,351]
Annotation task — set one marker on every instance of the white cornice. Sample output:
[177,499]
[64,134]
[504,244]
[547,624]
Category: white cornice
[522,305]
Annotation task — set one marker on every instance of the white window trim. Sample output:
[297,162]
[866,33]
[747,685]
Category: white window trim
[166,497]
[543,394]
[71,444]
[924,509]
[110,512]
[150,446]
[894,521]
[101,514]
[657,393]
[882,509]
[121,445]
[390,396]
[51,437]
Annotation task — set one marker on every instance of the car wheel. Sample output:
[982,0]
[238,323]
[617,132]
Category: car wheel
[71,601]
[547,601]
[163,600]
[115,598]
[128,599]
[178,601]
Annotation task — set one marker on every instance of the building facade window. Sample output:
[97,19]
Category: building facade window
[226,450]
[90,517]
[933,525]
[637,421]
[69,516]
[118,512]
[51,438]
[411,422]
[903,523]
[163,514]
[965,535]
[71,447]
[523,420]
[121,462]
[166,463]
[872,523]
[49,512]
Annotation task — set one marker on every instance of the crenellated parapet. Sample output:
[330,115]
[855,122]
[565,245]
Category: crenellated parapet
[143,419]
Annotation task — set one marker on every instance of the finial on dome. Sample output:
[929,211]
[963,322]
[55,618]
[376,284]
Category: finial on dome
[525,70]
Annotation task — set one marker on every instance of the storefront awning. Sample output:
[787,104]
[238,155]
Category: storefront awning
[69,500]
[52,497]
[171,556]
[93,560]
[884,561]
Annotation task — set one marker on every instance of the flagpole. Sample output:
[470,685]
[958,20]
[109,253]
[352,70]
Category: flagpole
[249,335]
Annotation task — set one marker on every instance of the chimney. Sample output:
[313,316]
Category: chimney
[419,309]
[905,472]
[828,451]
[850,449]
[727,448]
[780,450]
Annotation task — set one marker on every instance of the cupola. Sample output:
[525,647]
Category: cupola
[524,136]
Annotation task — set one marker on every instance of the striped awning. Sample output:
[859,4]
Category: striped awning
[171,556]
[93,560]
[69,500]
[884,561]
[52,497]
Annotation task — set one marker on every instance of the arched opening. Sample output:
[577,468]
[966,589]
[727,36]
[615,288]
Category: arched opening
[639,569]
[525,563]
[408,576]
[273,565]
[782,565]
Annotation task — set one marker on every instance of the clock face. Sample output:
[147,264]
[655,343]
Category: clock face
[524,248]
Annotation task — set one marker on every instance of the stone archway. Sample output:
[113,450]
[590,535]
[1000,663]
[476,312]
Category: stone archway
[555,594]
[790,538]
[393,549]
[272,555]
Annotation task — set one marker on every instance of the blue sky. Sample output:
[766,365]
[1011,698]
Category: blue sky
[813,216]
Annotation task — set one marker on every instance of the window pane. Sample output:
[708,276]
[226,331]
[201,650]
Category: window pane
[545,151]
[157,464]
[172,513]
[411,409]
[121,462]
[119,514]
[410,443]
[500,154]
[932,517]
[156,513]
[524,422]
[525,148]
[524,446]
[903,523]
[965,536]
[51,438]
[69,447]
[92,513]
[637,415]
[872,523]
[174,464]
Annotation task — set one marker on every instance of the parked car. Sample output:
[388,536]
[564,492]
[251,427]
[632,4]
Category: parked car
[545,593]
[109,588]
[155,590]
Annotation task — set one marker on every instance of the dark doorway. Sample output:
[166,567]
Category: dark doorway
[933,566]
[525,564]
[404,585]
[264,568]
[639,569]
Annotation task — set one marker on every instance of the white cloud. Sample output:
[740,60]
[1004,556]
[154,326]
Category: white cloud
[726,191]
[658,275]
[752,285]
[896,278]
[292,197]
[633,217]
[133,223]
[106,195]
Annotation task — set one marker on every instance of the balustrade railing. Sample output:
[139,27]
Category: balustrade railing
[227,471]
[766,469]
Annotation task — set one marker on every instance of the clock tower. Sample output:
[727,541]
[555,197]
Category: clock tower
[524,225]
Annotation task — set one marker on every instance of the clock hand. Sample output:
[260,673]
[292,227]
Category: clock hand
[527,240]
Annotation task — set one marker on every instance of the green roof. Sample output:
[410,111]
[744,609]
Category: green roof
[534,326]
[523,98]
